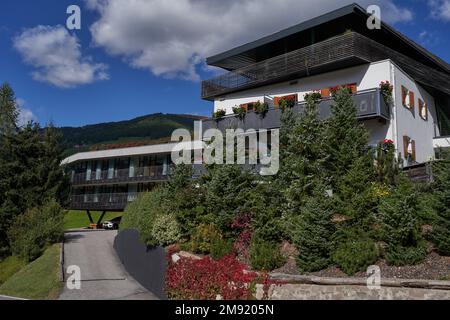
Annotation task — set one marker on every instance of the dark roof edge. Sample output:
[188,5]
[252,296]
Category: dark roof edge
[352,8]
[282,34]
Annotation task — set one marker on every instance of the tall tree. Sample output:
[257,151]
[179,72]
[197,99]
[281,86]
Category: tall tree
[441,225]
[350,163]
[9,112]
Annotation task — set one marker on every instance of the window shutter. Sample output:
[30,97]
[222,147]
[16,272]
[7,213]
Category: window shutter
[413,143]
[404,94]
[244,106]
[325,93]
[411,100]
[352,87]
[423,110]
[405,146]
[276,102]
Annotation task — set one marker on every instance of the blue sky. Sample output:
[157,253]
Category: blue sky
[131,61]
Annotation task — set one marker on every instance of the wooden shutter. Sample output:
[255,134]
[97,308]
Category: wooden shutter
[404,93]
[423,110]
[405,146]
[352,87]
[244,106]
[413,143]
[276,102]
[325,93]
[411,100]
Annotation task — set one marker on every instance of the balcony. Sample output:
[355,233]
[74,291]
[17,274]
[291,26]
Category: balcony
[343,51]
[370,105]
[141,174]
[101,201]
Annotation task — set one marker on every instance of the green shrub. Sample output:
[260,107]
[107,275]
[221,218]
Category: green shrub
[220,248]
[265,255]
[312,233]
[203,238]
[37,228]
[400,225]
[400,256]
[441,224]
[355,255]
[166,229]
[142,213]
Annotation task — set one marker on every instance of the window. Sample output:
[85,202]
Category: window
[407,98]
[409,149]
[423,110]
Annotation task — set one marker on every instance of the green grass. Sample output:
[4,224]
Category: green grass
[79,219]
[9,267]
[38,280]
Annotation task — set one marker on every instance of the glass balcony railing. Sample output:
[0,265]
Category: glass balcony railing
[101,201]
[140,174]
[369,104]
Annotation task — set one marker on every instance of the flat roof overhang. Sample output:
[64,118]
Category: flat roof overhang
[351,17]
[339,52]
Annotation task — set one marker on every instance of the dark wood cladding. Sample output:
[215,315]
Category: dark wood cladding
[339,52]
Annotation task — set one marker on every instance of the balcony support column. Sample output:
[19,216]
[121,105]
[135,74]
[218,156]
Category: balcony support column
[90,217]
[101,218]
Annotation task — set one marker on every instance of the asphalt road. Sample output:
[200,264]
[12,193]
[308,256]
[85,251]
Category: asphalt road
[103,276]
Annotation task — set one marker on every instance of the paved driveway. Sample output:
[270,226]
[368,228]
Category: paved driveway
[103,276]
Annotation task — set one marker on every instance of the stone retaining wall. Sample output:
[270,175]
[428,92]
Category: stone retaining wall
[299,287]
[343,292]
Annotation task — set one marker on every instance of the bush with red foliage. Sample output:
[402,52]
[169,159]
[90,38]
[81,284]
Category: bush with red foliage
[205,279]
[242,225]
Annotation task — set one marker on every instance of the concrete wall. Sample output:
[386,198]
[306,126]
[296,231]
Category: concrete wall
[366,77]
[409,123]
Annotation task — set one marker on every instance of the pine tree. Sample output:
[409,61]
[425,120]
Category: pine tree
[400,225]
[9,112]
[350,164]
[441,227]
[305,156]
[54,182]
[313,230]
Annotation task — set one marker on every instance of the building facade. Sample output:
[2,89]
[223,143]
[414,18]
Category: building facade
[330,51]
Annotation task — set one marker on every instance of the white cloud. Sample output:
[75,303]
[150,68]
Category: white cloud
[440,9]
[25,115]
[56,56]
[172,38]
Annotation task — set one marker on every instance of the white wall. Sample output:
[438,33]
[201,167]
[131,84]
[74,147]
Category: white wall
[409,123]
[366,77]
[403,121]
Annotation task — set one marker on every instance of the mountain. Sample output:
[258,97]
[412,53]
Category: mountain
[149,129]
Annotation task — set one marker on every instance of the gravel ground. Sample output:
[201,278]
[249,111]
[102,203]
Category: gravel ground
[434,267]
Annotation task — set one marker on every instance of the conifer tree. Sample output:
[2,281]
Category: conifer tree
[313,230]
[305,156]
[400,225]
[9,112]
[441,226]
[350,164]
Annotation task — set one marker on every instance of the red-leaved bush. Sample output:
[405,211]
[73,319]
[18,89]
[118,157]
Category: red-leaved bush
[242,224]
[205,279]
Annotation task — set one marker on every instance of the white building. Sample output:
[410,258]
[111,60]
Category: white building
[337,49]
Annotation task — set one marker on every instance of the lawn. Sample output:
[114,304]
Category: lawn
[9,266]
[79,219]
[38,280]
